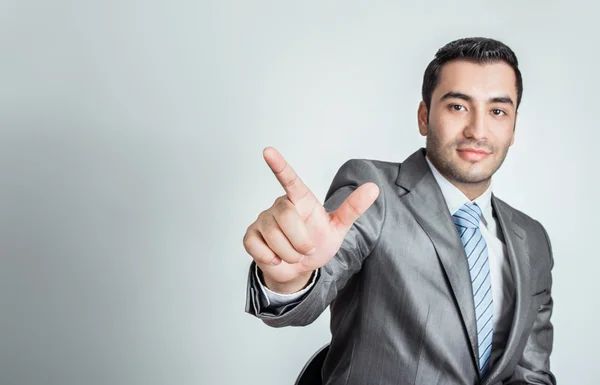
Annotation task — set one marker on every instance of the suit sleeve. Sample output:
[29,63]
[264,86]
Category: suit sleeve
[534,365]
[356,246]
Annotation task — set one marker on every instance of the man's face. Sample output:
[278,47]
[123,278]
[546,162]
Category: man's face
[471,120]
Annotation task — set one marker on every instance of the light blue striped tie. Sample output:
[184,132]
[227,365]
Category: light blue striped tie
[467,220]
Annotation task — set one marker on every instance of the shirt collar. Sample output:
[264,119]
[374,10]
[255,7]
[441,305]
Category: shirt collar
[455,198]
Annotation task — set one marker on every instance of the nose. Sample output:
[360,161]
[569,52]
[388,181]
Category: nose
[475,128]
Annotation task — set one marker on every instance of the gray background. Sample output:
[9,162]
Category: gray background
[131,164]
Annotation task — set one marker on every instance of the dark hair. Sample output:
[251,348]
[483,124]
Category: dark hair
[476,49]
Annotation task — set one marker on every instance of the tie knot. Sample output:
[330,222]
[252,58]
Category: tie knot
[468,216]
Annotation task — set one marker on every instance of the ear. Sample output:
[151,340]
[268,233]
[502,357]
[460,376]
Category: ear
[512,140]
[422,119]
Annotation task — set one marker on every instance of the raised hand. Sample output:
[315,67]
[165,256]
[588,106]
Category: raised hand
[296,235]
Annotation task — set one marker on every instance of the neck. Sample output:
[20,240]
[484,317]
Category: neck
[471,190]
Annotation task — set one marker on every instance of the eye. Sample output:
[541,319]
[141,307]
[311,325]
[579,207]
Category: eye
[457,107]
[498,112]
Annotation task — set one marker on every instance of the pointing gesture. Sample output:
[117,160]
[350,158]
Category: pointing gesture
[297,235]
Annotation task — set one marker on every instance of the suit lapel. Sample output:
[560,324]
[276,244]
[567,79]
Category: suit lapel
[518,255]
[427,204]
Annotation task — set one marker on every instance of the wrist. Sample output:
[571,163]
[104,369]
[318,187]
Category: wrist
[288,287]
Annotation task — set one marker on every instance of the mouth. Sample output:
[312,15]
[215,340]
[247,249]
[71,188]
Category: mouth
[472,154]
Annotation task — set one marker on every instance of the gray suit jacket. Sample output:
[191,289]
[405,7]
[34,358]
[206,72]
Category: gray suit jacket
[402,308]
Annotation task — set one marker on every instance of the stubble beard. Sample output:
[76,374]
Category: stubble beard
[442,158]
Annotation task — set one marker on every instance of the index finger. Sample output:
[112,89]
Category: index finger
[294,188]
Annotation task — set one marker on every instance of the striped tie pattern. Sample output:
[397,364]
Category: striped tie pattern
[467,220]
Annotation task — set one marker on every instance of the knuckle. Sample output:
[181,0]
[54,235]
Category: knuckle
[265,221]
[262,214]
[269,235]
[268,225]
[282,204]
[247,241]
[290,181]
[277,200]
[287,215]
[354,210]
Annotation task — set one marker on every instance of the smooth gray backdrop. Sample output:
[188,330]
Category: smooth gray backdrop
[131,138]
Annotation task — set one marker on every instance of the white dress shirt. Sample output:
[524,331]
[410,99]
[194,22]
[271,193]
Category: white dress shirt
[503,291]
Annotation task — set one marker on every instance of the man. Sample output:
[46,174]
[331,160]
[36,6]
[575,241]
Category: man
[431,278]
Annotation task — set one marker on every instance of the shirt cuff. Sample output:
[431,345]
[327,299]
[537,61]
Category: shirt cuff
[277,299]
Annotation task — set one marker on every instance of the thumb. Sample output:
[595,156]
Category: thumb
[355,205]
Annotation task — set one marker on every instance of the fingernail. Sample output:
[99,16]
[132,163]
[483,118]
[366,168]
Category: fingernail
[311,252]
[276,261]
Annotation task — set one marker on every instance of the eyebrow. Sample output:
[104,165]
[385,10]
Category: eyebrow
[460,95]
